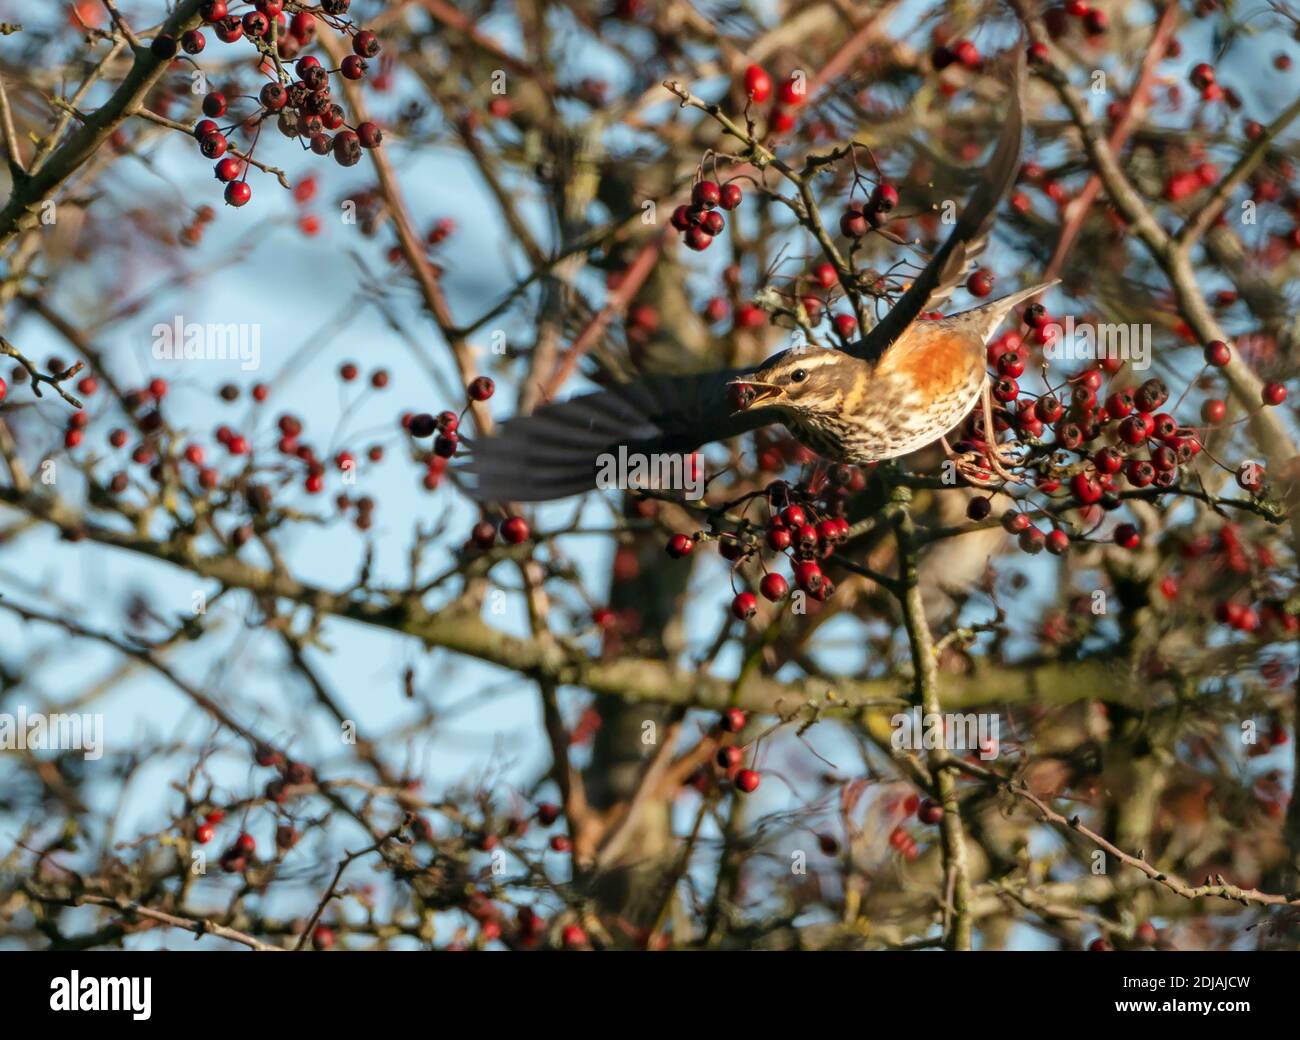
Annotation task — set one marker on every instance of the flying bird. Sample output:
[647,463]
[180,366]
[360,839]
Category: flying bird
[904,385]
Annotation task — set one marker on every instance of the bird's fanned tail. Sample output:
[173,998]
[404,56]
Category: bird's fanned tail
[554,452]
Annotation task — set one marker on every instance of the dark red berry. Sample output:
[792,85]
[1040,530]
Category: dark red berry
[515,530]
[238,193]
[365,43]
[929,811]
[680,545]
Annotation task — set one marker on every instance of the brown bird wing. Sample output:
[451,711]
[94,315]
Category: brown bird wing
[553,452]
[948,266]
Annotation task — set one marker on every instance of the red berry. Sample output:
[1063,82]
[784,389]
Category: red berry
[706,194]
[792,92]
[794,516]
[980,283]
[778,539]
[1048,409]
[484,535]
[1217,353]
[573,937]
[228,169]
[1214,411]
[744,606]
[967,53]
[1127,536]
[481,388]
[365,43]
[515,530]
[929,811]
[203,833]
[758,84]
[698,239]
[246,844]
[1031,541]
[680,545]
[213,145]
[238,193]
[747,780]
[1273,393]
[1086,488]
[322,937]
[733,720]
[547,813]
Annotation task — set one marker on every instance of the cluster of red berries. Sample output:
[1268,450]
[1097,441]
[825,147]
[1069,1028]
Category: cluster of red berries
[192,233]
[1226,553]
[239,854]
[303,108]
[957,52]
[700,222]
[1123,436]
[859,218]
[1057,19]
[514,531]
[729,759]
[446,426]
[927,811]
[806,532]
[204,832]
[790,96]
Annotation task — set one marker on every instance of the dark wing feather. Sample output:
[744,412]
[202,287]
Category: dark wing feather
[553,452]
[949,265]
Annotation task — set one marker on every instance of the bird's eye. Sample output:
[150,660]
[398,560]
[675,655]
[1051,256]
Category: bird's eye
[799,375]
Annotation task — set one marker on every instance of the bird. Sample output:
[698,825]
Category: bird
[902,386]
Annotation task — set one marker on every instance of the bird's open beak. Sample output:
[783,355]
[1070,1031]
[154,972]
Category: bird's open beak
[750,393]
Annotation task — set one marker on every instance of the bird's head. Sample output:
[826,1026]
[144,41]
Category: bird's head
[807,381]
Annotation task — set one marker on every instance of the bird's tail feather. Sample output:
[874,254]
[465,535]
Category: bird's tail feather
[997,310]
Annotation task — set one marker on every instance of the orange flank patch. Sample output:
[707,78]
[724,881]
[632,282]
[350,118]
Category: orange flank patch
[936,360]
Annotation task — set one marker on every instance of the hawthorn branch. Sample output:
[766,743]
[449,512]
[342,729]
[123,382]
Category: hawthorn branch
[53,380]
[199,926]
[19,213]
[925,667]
[1215,887]
[1209,211]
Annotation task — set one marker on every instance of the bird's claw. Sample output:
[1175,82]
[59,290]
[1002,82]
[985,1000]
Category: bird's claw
[987,469]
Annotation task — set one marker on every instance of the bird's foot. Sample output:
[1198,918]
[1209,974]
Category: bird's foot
[986,469]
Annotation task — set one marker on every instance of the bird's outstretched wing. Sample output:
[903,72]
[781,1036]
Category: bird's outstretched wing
[553,453]
[949,265]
